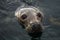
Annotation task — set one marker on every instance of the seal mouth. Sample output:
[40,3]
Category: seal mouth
[35,34]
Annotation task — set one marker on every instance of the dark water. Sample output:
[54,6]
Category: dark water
[11,30]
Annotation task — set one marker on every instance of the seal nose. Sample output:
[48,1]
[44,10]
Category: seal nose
[36,30]
[35,26]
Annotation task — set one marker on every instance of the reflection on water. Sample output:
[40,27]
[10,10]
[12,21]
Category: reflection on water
[54,21]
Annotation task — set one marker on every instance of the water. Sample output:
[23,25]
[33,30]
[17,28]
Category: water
[11,30]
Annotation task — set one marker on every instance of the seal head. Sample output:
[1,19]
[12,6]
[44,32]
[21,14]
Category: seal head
[31,20]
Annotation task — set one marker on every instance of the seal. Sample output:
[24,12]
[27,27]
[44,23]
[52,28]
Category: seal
[31,19]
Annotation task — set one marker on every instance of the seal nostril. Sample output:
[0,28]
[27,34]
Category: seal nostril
[33,27]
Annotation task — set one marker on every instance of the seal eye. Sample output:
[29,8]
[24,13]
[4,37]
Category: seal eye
[24,16]
[38,14]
